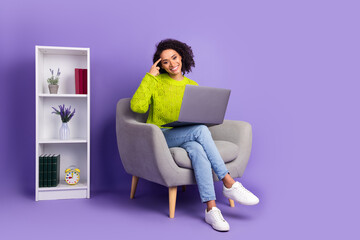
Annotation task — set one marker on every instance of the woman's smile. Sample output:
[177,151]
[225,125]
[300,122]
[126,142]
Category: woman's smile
[174,69]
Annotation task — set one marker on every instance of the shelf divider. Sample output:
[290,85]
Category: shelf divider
[62,95]
[64,186]
[75,140]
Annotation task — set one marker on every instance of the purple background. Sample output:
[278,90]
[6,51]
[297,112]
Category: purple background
[293,67]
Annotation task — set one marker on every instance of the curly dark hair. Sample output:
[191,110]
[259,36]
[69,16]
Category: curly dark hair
[187,56]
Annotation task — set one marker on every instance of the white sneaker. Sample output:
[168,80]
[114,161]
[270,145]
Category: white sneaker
[216,220]
[240,194]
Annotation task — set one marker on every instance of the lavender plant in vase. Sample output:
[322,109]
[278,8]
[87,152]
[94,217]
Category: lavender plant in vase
[65,115]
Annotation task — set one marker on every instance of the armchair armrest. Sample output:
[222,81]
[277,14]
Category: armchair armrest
[239,133]
[143,149]
[233,131]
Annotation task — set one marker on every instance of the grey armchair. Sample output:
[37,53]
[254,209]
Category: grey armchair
[145,154]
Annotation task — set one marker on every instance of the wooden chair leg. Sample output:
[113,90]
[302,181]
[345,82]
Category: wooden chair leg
[232,203]
[134,183]
[172,201]
[184,188]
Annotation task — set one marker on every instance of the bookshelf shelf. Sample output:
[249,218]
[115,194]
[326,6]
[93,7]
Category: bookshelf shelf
[45,141]
[44,95]
[76,150]
[64,186]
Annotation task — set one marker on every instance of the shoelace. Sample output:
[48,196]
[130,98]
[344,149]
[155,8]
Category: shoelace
[246,194]
[218,215]
[242,188]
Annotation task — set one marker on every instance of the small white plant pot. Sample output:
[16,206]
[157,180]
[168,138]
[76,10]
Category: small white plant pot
[53,89]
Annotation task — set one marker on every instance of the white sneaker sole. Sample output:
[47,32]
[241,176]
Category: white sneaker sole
[243,203]
[218,229]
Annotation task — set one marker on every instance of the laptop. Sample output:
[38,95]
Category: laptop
[202,105]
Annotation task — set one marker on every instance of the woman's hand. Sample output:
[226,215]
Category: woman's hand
[154,70]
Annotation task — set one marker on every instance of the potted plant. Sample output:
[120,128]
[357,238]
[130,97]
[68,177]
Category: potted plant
[65,115]
[53,81]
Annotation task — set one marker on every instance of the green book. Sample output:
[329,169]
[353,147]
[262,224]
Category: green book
[49,163]
[45,157]
[58,171]
[55,169]
[41,170]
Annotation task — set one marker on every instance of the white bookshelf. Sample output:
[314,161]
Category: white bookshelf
[76,150]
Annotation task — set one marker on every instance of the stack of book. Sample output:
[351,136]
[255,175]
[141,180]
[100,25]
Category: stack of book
[49,170]
[80,81]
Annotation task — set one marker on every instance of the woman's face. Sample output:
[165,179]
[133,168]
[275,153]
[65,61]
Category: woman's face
[171,61]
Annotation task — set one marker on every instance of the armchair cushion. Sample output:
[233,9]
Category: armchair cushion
[228,151]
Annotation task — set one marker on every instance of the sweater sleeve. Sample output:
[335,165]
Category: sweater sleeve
[142,97]
[193,83]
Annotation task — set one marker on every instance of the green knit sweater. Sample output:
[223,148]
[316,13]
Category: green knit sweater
[164,94]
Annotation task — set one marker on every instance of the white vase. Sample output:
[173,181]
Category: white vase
[64,131]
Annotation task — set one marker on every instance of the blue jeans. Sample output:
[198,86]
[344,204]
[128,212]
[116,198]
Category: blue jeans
[204,156]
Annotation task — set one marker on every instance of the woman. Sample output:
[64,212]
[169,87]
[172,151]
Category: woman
[163,87]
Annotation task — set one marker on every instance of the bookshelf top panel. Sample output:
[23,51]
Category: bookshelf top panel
[63,50]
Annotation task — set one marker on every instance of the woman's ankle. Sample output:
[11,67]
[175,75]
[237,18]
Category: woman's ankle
[228,181]
[210,204]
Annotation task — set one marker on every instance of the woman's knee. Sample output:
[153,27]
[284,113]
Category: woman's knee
[202,130]
[192,146]
[195,150]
